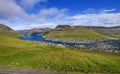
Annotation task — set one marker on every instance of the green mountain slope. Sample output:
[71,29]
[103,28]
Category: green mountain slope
[38,31]
[113,32]
[74,34]
[6,31]
[22,55]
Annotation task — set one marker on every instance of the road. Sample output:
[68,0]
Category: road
[26,72]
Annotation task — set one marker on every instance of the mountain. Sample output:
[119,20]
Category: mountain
[67,32]
[35,31]
[63,26]
[109,31]
[7,31]
[22,31]
[116,27]
[74,33]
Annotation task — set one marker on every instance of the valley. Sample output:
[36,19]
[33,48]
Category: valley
[59,36]
[80,37]
[16,54]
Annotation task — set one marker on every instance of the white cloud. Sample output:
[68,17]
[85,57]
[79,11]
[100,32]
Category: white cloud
[30,26]
[89,11]
[10,11]
[53,13]
[93,11]
[45,18]
[101,19]
[106,10]
[29,4]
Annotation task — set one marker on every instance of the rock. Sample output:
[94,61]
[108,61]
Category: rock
[63,26]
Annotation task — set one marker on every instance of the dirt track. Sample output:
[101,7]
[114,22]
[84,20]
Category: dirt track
[26,72]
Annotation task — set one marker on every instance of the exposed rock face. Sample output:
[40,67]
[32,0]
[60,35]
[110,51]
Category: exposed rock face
[63,26]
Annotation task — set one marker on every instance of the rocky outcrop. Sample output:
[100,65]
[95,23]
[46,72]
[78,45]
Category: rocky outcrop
[63,26]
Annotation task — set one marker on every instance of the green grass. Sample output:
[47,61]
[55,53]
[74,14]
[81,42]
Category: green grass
[12,35]
[6,31]
[23,55]
[75,34]
[113,32]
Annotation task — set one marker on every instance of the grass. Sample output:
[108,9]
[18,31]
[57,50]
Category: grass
[113,32]
[12,35]
[75,34]
[6,31]
[23,55]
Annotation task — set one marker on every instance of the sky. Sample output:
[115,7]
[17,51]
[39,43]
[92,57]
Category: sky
[28,14]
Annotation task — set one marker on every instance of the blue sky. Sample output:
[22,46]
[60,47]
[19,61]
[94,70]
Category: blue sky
[27,14]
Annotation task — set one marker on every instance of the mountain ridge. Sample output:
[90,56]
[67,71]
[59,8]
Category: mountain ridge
[71,34]
[7,31]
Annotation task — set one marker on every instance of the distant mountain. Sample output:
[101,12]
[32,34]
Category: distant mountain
[63,26]
[71,33]
[7,31]
[116,27]
[22,31]
[35,31]
[109,31]
[67,32]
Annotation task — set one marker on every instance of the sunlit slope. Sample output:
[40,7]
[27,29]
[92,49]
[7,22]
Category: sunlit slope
[22,55]
[6,31]
[75,34]
[113,32]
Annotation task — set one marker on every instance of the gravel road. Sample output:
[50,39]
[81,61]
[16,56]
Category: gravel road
[26,72]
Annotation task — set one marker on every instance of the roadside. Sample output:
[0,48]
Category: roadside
[25,72]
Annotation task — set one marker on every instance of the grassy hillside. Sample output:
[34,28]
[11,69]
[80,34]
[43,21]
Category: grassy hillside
[35,31]
[74,34]
[23,55]
[6,31]
[113,32]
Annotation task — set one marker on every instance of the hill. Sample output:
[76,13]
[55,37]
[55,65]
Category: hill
[74,33]
[35,31]
[6,31]
[109,31]
[113,32]
[22,55]
[63,26]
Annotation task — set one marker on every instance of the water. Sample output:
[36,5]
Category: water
[34,38]
[71,45]
[102,45]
